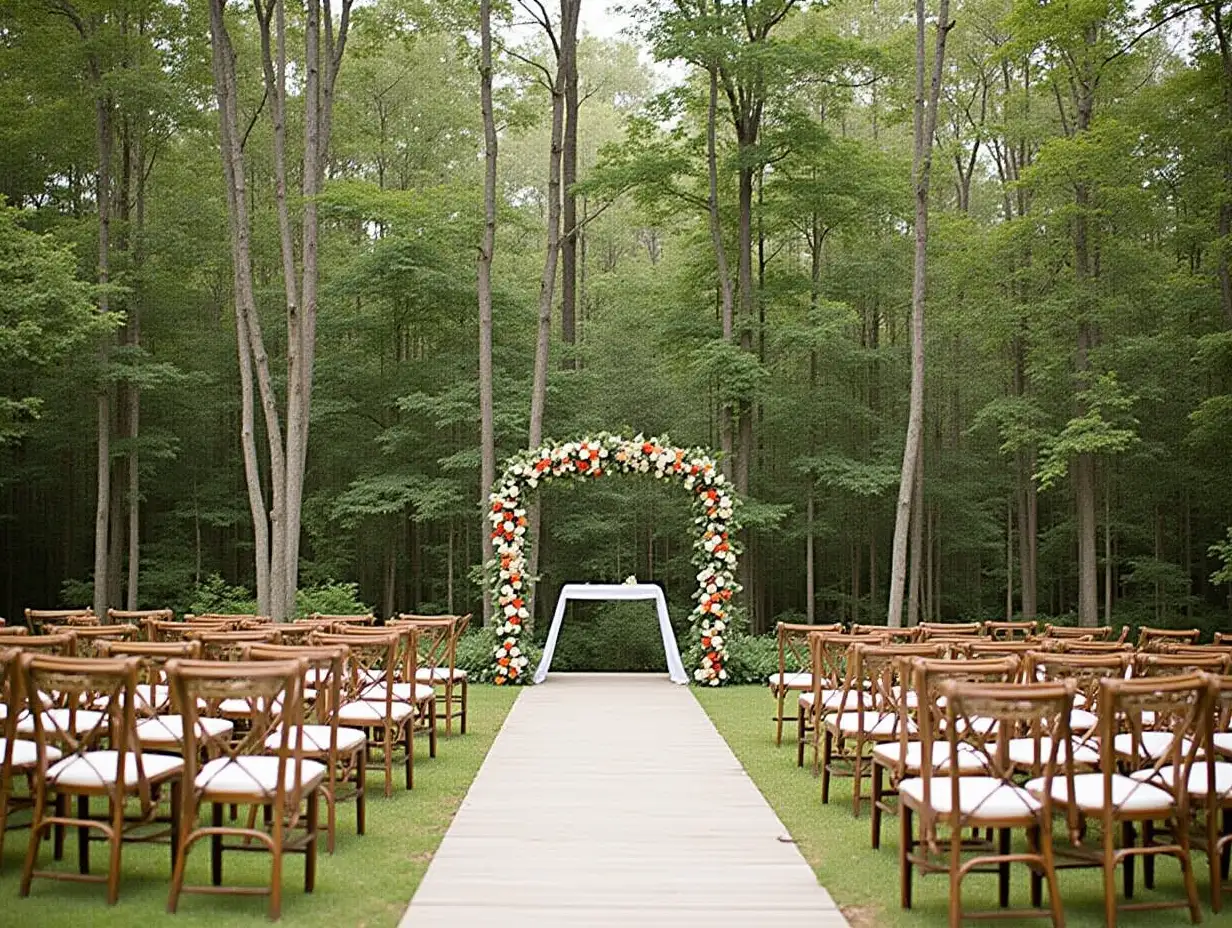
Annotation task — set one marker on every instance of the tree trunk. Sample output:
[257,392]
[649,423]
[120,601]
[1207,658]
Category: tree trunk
[104,141]
[810,570]
[726,293]
[487,431]
[917,542]
[925,123]
[569,169]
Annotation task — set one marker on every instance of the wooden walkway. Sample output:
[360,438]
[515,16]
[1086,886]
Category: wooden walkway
[611,800]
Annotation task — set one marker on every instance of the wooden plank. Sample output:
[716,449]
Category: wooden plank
[611,800]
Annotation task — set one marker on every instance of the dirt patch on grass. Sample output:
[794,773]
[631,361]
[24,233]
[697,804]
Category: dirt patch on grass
[863,916]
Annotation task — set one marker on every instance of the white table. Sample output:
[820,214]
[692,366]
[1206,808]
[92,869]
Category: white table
[615,591]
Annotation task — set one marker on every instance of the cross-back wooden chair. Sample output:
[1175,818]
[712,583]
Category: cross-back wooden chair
[19,757]
[39,620]
[1081,646]
[343,750]
[300,631]
[976,648]
[794,671]
[1210,790]
[239,619]
[1150,637]
[388,719]
[274,775]
[1010,630]
[121,775]
[947,803]
[224,646]
[950,629]
[873,670]
[1146,795]
[907,635]
[170,630]
[438,647]
[827,662]
[903,757]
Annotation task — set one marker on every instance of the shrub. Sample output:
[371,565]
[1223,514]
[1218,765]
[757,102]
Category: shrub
[619,636]
[330,598]
[214,595]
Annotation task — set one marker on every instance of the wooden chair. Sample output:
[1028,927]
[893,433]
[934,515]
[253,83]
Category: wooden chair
[828,654]
[954,801]
[367,705]
[37,619]
[279,779]
[344,751]
[160,630]
[18,757]
[950,629]
[871,670]
[1210,790]
[907,635]
[1223,638]
[904,758]
[1081,646]
[975,648]
[139,617]
[794,675]
[239,620]
[128,780]
[1146,796]
[224,646]
[438,648]
[1010,631]
[1149,636]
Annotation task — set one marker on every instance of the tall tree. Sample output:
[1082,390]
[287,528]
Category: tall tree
[924,128]
[487,246]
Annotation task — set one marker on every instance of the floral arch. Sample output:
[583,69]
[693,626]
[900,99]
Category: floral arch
[714,551]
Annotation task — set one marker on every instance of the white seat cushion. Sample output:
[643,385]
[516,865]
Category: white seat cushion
[1128,795]
[978,797]
[57,720]
[1199,777]
[99,768]
[316,738]
[1023,751]
[1151,746]
[372,713]
[1223,742]
[969,759]
[254,775]
[792,680]
[169,729]
[151,697]
[1080,720]
[25,753]
[402,692]
[438,674]
[877,724]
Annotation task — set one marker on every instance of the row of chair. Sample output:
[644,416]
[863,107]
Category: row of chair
[1118,724]
[158,728]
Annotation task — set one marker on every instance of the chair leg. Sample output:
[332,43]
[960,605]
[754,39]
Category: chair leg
[83,834]
[857,777]
[216,845]
[1003,869]
[801,735]
[57,841]
[410,753]
[1109,869]
[875,814]
[826,753]
[275,896]
[310,850]
[1037,873]
[388,749]
[778,716]
[905,846]
[361,791]
[955,869]
[1181,832]
[1127,865]
[1050,874]
[36,833]
[1148,862]
[449,708]
[464,694]
[432,728]
[117,846]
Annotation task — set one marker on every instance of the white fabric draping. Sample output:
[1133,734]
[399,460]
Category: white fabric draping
[614,591]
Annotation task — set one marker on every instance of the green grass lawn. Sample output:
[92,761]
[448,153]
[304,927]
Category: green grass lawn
[864,882]
[367,882]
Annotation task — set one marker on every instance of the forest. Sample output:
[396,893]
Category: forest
[281,283]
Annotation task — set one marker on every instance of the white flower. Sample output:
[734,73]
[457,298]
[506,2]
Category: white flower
[716,641]
[501,652]
[511,610]
[515,651]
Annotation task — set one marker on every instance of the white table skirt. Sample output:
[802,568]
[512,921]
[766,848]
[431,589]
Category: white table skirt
[614,591]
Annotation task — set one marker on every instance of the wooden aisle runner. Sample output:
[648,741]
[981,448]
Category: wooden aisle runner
[612,800]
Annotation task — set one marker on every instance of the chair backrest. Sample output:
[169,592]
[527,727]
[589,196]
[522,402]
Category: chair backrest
[1164,665]
[1082,646]
[326,668]
[10,698]
[273,691]
[906,635]
[38,619]
[977,648]
[373,661]
[238,620]
[1179,704]
[153,656]
[1088,671]
[792,640]
[366,619]
[876,670]
[227,646]
[90,636]
[950,629]
[74,683]
[160,630]
[1010,631]
[828,657]
[1149,636]
[138,616]
[63,643]
[436,639]
[1099,633]
[1017,709]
